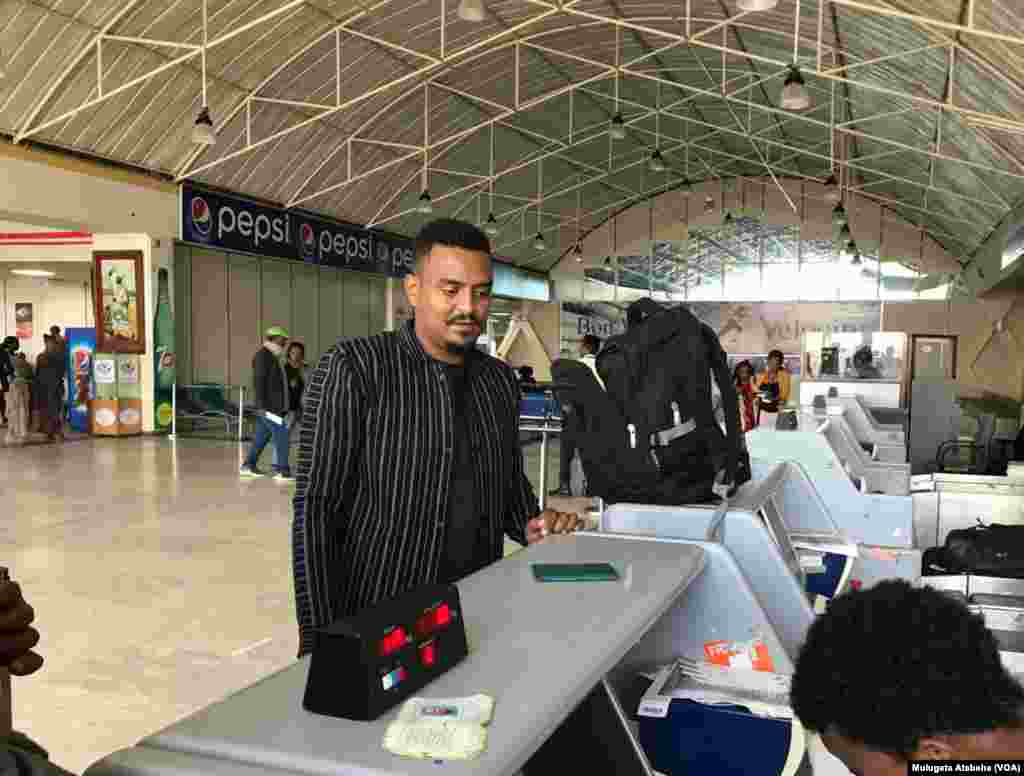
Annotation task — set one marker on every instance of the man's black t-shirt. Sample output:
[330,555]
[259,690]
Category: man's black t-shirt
[464,549]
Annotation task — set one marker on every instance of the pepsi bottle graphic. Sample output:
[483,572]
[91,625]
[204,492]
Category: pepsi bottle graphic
[163,346]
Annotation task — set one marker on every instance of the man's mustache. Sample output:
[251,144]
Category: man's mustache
[455,321]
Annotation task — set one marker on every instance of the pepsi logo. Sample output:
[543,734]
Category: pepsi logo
[202,221]
[307,242]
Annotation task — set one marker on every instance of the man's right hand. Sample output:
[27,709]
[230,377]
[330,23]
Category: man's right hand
[17,638]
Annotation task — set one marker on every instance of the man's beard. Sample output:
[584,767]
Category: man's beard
[468,345]
[461,348]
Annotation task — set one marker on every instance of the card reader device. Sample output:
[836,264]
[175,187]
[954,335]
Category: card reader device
[363,665]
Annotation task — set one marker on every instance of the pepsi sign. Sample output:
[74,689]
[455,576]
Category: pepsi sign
[237,224]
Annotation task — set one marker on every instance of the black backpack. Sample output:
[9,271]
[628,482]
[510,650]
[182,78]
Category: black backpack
[651,434]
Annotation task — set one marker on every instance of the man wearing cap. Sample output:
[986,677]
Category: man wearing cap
[271,386]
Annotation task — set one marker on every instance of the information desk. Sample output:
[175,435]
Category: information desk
[883,393]
[537,648]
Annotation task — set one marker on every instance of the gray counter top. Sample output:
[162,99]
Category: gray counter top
[830,379]
[538,649]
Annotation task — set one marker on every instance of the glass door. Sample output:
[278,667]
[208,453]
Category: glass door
[934,358]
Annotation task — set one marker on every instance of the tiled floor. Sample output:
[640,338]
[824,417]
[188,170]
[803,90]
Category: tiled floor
[161,583]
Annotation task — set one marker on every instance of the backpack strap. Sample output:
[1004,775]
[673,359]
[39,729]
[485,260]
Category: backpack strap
[717,521]
[730,404]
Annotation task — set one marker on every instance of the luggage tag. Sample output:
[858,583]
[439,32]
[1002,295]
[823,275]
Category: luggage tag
[752,655]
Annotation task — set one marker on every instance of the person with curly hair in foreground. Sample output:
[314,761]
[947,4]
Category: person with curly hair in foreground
[896,673]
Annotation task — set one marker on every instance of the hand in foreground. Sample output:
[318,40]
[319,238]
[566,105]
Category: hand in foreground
[551,522]
[16,637]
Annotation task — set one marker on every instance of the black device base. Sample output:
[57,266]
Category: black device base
[363,665]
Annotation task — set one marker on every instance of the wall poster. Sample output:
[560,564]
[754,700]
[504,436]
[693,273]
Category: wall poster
[23,320]
[601,319]
[120,300]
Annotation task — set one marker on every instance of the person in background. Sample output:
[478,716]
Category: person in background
[20,755]
[410,470]
[895,673]
[6,374]
[61,352]
[20,405]
[47,390]
[773,388]
[590,346]
[863,364]
[525,375]
[296,370]
[743,379]
[58,338]
[272,401]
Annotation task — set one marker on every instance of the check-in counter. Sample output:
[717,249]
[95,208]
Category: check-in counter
[778,531]
[882,393]
[887,442]
[537,649]
[826,444]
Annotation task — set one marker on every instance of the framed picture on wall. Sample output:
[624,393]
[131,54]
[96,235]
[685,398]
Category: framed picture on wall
[120,302]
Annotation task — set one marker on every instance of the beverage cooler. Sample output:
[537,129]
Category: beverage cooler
[81,389]
[163,354]
[117,408]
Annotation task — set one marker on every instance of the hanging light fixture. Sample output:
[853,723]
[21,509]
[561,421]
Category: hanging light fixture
[577,252]
[426,204]
[839,217]
[832,191]
[709,204]
[844,233]
[753,6]
[491,227]
[618,127]
[657,162]
[728,220]
[202,131]
[608,261]
[856,260]
[471,11]
[794,93]
[538,241]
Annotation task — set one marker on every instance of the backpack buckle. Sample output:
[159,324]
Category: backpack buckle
[657,462]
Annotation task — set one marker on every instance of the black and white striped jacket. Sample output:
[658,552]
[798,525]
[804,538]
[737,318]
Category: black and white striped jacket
[374,470]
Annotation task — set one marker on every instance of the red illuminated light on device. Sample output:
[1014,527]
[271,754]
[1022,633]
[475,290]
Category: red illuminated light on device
[428,654]
[392,642]
[432,620]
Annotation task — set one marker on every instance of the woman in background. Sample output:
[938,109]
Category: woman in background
[10,344]
[773,388]
[743,379]
[19,406]
[295,370]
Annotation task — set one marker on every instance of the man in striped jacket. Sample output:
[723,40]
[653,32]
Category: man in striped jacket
[409,468]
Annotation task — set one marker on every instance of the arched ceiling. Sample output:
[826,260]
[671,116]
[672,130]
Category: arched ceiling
[337,107]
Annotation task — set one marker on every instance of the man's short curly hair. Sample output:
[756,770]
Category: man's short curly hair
[893,664]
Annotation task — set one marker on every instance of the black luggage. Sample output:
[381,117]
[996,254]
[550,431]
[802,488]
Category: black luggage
[988,550]
[650,435]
